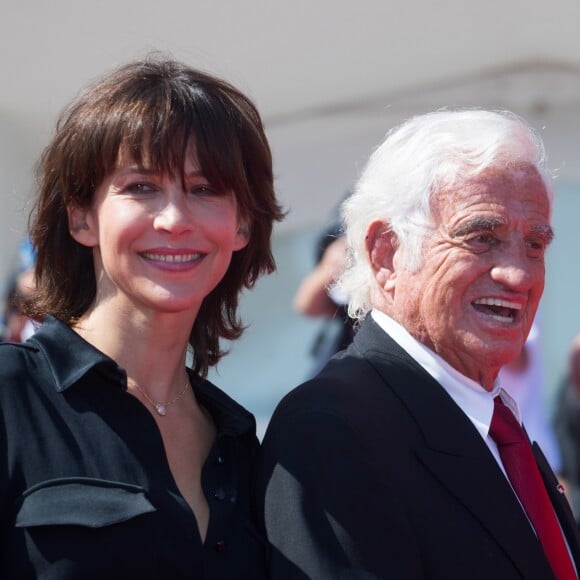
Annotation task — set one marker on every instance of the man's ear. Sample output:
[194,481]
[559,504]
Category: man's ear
[381,245]
[80,226]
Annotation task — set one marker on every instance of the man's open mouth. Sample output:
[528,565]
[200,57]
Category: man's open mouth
[501,310]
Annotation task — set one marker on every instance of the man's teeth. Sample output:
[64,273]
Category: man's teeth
[501,318]
[499,303]
[498,309]
[173,258]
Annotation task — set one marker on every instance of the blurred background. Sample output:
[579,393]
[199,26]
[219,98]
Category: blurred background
[330,79]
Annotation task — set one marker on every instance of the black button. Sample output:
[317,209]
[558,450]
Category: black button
[220,546]
[220,460]
[219,494]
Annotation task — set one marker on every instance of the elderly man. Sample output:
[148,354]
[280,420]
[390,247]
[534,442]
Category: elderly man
[404,458]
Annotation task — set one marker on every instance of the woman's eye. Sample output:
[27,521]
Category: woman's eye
[205,189]
[141,188]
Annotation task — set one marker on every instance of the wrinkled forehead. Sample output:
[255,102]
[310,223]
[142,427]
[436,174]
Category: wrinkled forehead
[500,183]
[517,172]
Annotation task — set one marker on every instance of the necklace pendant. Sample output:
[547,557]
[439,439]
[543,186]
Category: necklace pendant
[160,408]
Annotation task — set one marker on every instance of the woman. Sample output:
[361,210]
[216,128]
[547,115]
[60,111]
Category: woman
[155,209]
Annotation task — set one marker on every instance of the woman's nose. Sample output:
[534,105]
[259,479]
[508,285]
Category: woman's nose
[174,215]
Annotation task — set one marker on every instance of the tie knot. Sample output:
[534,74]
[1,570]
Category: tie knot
[504,428]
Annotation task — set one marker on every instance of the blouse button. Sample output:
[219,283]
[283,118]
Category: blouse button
[220,460]
[220,546]
[219,494]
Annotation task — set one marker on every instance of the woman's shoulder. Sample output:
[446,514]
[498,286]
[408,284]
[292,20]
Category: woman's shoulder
[20,365]
[16,357]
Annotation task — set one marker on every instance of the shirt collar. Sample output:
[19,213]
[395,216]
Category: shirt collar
[69,356]
[470,396]
[230,417]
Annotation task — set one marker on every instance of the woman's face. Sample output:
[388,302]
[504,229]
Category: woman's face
[158,244]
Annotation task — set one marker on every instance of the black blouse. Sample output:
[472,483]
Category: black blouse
[85,488]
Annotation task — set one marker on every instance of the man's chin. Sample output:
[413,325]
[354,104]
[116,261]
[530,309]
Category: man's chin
[496,354]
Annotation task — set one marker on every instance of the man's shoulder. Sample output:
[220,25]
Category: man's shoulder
[346,386]
[348,404]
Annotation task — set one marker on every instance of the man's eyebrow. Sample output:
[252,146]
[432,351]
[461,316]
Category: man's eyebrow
[545,232]
[476,225]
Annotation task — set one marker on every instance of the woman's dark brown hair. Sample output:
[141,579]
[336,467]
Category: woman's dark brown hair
[157,110]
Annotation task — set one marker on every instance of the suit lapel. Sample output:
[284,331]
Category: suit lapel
[454,452]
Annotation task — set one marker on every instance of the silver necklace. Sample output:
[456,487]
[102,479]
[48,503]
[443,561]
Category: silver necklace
[161,408]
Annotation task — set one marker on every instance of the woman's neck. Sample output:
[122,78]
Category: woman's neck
[152,349]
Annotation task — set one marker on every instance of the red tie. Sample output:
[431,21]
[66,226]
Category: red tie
[522,470]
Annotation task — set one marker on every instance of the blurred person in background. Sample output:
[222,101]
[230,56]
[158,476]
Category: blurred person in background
[15,325]
[567,425]
[318,296]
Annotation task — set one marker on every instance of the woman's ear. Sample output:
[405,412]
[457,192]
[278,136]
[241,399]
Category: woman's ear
[242,236]
[381,245]
[80,227]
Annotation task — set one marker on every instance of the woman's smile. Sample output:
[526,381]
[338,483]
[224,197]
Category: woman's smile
[173,260]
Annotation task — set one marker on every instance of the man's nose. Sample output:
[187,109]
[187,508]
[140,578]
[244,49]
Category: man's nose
[515,270]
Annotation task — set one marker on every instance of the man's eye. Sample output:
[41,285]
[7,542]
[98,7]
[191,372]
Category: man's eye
[484,239]
[481,242]
[536,247]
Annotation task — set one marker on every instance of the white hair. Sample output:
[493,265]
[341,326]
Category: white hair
[424,155]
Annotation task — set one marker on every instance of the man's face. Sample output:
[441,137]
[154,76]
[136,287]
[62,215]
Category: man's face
[474,298]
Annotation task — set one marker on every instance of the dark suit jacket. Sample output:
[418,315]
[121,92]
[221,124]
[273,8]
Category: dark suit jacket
[371,471]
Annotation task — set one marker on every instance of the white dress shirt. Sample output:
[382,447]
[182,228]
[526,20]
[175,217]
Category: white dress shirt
[470,396]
